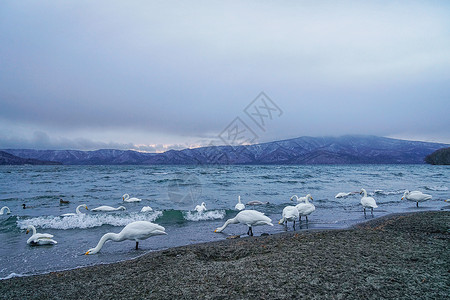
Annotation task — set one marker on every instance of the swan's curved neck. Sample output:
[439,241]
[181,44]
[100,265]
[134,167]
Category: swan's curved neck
[228,222]
[3,209]
[33,229]
[364,192]
[78,209]
[296,197]
[239,199]
[109,236]
[126,197]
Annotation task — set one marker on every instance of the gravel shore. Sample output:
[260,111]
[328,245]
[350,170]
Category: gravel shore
[395,257]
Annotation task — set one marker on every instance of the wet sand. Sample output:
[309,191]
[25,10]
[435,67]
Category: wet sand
[404,256]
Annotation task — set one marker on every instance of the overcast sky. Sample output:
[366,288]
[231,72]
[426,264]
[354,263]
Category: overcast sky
[158,75]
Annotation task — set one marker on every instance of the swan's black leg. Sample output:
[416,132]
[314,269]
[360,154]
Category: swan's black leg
[364,211]
[306,219]
[248,231]
[137,243]
[294,225]
[417,204]
[300,219]
[251,231]
[371,210]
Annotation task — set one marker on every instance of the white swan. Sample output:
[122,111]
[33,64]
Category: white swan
[135,231]
[127,198]
[201,208]
[306,208]
[3,210]
[78,212]
[239,205]
[146,209]
[107,208]
[290,213]
[367,202]
[248,217]
[257,202]
[416,196]
[39,238]
[343,195]
[301,199]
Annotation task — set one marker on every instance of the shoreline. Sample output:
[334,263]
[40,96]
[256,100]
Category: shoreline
[401,256]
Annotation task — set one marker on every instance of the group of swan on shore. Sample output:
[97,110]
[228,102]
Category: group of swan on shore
[141,230]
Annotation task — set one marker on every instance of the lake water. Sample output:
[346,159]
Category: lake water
[173,192]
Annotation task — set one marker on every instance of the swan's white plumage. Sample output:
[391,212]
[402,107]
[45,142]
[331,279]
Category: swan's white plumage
[416,196]
[239,205]
[107,208]
[3,210]
[39,238]
[367,202]
[201,208]
[301,199]
[342,195]
[126,198]
[305,208]
[135,231]
[77,210]
[248,217]
[146,209]
[290,213]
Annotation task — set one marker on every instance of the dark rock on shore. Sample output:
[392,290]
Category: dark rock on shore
[395,257]
[439,157]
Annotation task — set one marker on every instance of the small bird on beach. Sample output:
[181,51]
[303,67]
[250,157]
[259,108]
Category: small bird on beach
[248,217]
[239,205]
[77,210]
[305,208]
[38,239]
[106,208]
[126,198]
[135,231]
[200,208]
[290,213]
[2,211]
[416,196]
[367,202]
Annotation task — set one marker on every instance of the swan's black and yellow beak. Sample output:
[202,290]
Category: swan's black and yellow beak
[215,230]
[86,208]
[403,197]
[87,253]
[123,198]
[28,231]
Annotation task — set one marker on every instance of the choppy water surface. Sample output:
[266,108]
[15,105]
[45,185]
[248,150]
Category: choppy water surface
[173,192]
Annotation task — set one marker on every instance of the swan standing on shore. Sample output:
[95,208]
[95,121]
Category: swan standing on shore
[367,202]
[3,210]
[139,230]
[416,196]
[239,205]
[201,208]
[305,208]
[78,212]
[126,198]
[39,238]
[107,208]
[290,213]
[301,199]
[248,217]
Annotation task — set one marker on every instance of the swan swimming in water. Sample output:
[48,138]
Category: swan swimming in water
[248,217]
[39,238]
[146,209]
[239,205]
[78,212]
[256,202]
[367,202]
[126,198]
[301,199]
[306,208]
[201,208]
[107,208]
[135,231]
[290,213]
[416,196]
[3,210]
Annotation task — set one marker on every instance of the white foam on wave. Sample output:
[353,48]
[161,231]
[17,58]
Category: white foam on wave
[12,275]
[87,221]
[387,193]
[204,216]
[437,188]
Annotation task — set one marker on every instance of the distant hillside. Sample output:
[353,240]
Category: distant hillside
[303,150]
[439,157]
[9,159]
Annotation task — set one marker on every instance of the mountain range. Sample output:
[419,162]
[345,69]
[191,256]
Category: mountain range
[9,159]
[347,149]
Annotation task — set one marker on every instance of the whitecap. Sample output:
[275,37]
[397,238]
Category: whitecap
[12,275]
[87,221]
[437,188]
[205,215]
